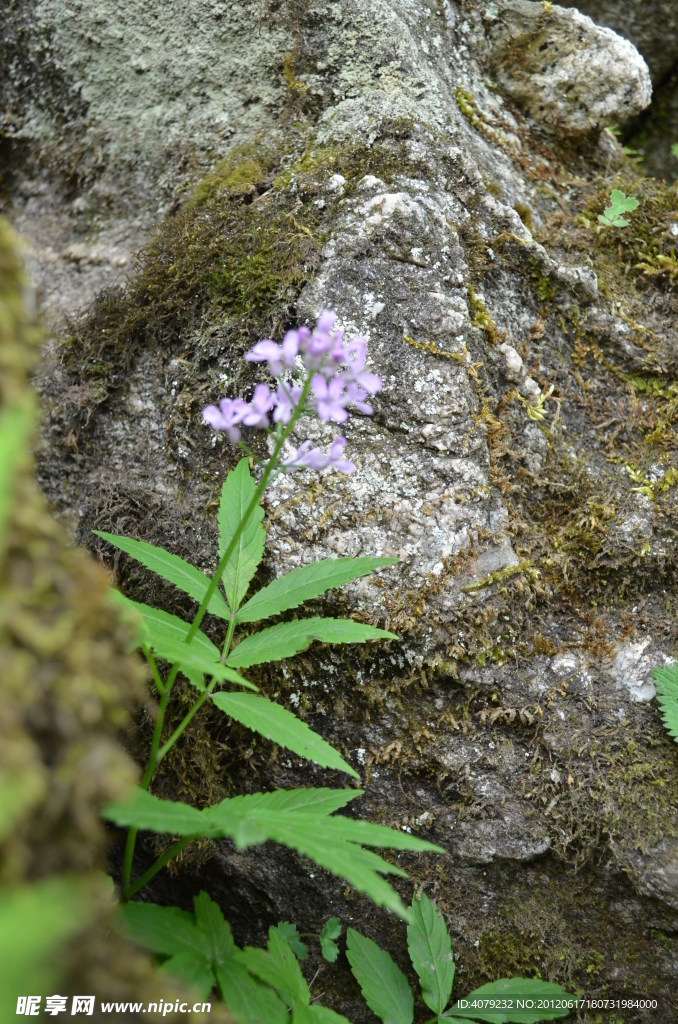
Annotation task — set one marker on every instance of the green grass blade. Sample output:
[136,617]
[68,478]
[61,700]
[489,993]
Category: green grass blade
[430,950]
[382,983]
[289,638]
[237,492]
[280,725]
[307,582]
[172,568]
[666,681]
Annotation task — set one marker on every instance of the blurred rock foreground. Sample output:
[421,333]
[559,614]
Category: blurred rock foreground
[434,172]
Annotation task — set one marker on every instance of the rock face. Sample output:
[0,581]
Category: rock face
[569,75]
[521,461]
[651,25]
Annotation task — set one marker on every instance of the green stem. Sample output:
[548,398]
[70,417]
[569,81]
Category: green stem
[157,753]
[169,854]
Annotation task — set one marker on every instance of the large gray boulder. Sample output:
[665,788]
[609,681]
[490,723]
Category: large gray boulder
[412,167]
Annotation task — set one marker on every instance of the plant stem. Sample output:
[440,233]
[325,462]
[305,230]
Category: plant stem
[130,890]
[157,752]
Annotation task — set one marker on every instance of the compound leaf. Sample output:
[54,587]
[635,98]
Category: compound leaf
[171,567]
[280,725]
[307,582]
[300,818]
[291,933]
[430,951]
[237,493]
[328,937]
[289,638]
[382,983]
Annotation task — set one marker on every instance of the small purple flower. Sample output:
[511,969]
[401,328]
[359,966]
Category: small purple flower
[330,398]
[227,416]
[338,381]
[356,351]
[286,400]
[259,407]
[278,357]
[326,321]
[313,458]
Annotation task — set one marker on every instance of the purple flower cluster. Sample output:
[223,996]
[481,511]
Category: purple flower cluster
[338,381]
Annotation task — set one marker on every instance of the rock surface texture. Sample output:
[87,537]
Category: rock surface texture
[421,172]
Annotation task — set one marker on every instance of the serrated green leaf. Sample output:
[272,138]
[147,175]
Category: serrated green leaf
[289,638]
[328,936]
[171,568]
[513,989]
[430,951]
[280,725]
[301,819]
[382,983]
[619,203]
[159,626]
[193,662]
[307,582]
[192,971]
[291,933]
[248,1001]
[212,923]
[145,811]
[666,681]
[317,1015]
[167,930]
[237,493]
[278,967]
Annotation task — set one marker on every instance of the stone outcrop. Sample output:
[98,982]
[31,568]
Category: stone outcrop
[521,461]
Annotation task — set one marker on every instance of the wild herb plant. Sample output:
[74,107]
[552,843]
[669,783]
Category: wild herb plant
[666,682]
[620,203]
[317,372]
[267,986]
[388,994]
[259,986]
